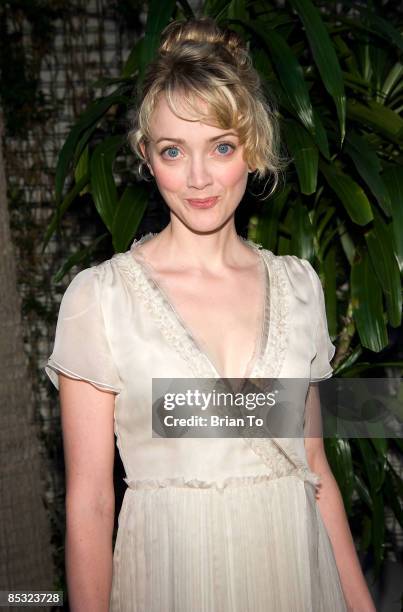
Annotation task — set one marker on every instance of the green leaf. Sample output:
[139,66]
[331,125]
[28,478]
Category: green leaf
[380,26]
[346,240]
[338,452]
[305,155]
[381,446]
[61,209]
[392,497]
[365,366]
[363,492]
[128,216]
[159,14]
[378,530]
[108,81]
[268,221]
[393,79]
[187,9]
[289,72]
[82,168]
[374,465]
[213,8]
[103,188]
[320,135]
[366,298]
[302,231]
[376,116]
[324,55]
[346,54]
[236,10]
[80,257]
[393,178]
[368,166]
[329,268]
[133,62]
[94,112]
[380,246]
[349,193]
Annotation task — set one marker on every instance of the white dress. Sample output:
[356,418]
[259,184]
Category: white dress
[206,524]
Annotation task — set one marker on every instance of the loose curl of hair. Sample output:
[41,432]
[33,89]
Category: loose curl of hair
[208,70]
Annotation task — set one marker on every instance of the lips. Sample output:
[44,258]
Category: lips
[202,203]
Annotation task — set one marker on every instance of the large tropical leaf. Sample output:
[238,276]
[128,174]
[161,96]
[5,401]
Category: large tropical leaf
[88,119]
[393,178]
[369,167]
[380,247]
[324,55]
[159,14]
[267,223]
[134,61]
[215,8]
[304,153]
[302,237]
[128,215]
[79,258]
[338,453]
[366,296]
[60,210]
[289,72]
[376,116]
[350,194]
[103,188]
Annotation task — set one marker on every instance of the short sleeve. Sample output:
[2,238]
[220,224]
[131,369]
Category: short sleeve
[325,350]
[81,348]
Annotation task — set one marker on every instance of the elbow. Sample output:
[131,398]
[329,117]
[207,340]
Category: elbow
[90,502]
[317,460]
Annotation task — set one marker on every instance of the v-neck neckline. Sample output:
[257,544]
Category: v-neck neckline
[198,346]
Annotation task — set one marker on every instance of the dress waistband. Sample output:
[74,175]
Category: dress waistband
[233,481]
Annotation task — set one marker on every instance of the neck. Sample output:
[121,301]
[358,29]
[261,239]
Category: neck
[209,251]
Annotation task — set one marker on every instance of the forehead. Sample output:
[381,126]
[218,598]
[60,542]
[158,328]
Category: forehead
[166,123]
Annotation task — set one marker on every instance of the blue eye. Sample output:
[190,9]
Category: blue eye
[225,148]
[169,151]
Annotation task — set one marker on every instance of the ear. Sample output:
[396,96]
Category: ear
[143,149]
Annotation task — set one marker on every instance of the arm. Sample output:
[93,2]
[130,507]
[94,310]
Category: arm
[88,438]
[330,502]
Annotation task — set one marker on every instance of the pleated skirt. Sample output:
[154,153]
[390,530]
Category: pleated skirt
[254,544]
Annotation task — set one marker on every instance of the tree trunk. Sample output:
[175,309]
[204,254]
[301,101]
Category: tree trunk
[25,546]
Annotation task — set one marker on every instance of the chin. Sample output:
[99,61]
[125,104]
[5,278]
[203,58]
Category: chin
[207,225]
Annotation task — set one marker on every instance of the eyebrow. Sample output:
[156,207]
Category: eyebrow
[181,141]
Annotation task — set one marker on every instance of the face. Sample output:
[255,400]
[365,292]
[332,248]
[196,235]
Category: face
[199,169]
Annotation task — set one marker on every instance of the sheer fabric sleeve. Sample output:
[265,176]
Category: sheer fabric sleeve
[81,348]
[325,350]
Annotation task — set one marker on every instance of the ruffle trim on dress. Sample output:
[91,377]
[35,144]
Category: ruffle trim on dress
[159,306]
[195,483]
[53,368]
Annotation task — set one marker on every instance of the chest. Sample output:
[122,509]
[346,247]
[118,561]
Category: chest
[208,331]
[224,317]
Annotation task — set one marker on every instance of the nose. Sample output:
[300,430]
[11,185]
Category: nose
[198,173]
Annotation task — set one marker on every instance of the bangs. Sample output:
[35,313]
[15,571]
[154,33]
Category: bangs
[215,106]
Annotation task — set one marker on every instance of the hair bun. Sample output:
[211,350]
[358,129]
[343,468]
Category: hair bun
[202,30]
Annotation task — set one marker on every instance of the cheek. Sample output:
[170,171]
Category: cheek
[168,178]
[234,175]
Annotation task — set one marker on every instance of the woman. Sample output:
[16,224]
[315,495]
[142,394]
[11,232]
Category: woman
[207,524]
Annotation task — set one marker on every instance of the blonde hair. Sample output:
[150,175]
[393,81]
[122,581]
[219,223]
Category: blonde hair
[204,63]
